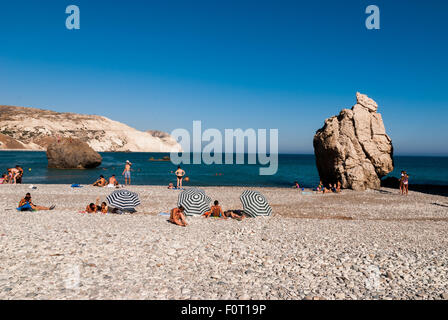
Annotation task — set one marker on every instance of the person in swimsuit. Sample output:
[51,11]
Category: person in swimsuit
[19,177]
[14,174]
[405,188]
[113,181]
[101,182]
[4,179]
[127,173]
[104,208]
[338,188]
[235,214]
[296,185]
[27,205]
[179,174]
[177,216]
[94,207]
[215,211]
[401,181]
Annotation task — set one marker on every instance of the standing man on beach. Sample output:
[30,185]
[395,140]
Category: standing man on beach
[179,174]
[127,173]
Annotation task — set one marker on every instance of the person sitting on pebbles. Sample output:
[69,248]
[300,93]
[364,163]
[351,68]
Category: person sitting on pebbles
[113,182]
[215,211]
[101,182]
[27,205]
[177,216]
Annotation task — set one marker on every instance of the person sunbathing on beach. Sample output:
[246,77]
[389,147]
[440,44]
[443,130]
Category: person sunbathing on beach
[170,185]
[235,214]
[27,205]
[177,216]
[215,211]
[91,208]
[113,181]
[101,182]
[104,208]
[179,174]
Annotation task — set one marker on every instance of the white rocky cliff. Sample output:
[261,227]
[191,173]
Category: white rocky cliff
[35,129]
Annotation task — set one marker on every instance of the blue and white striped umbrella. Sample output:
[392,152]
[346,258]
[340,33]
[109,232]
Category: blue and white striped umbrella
[255,204]
[123,199]
[194,201]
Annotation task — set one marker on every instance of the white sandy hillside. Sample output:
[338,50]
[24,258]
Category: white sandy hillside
[36,128]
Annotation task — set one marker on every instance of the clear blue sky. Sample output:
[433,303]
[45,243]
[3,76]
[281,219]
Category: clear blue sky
[249,64]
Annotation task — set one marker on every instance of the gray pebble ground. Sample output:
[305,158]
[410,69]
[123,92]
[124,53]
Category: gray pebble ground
[354,245]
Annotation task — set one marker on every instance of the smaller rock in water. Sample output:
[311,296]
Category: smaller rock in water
[69,153]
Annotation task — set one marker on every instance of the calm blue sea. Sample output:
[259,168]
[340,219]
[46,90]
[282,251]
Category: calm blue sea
[422,170]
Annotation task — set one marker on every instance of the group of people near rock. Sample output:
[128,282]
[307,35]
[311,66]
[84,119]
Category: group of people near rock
[330,188]
[177,215]
[13,175]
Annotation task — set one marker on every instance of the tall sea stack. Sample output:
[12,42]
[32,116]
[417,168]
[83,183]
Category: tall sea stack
[353,147]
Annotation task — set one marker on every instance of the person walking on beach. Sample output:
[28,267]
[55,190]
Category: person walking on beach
[177,216]
[127,173]
[179,174]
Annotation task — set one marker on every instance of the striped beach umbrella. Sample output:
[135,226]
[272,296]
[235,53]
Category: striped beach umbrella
[195,201]
[255,204]
[123,199]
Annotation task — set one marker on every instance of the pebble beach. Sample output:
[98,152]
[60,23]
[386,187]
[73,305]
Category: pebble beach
[353,245]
